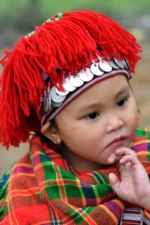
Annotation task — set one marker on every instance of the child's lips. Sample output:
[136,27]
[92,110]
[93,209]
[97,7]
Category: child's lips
[117,142]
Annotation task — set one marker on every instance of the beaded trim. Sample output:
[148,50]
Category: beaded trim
[134,216]
[98,69]
[57,17]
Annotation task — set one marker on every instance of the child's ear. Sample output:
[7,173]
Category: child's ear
[51,132]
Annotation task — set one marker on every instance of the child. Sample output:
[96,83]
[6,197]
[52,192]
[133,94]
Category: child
[68,82]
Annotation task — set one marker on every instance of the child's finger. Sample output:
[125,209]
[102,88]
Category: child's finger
[118,154]
[112,158]
[125,171]
[123,151]
[114,182]
[127,158]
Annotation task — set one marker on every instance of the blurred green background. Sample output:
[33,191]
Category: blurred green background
[18,18]
[22,16]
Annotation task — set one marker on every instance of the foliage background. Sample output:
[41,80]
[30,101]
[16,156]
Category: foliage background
[24,14]
[21,16]
[18,18]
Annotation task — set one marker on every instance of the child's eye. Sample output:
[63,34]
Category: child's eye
[92,115]
[122,102]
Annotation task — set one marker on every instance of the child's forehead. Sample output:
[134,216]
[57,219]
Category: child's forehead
[103,88]
[101,93]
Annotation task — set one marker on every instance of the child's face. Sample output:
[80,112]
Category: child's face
[100,120]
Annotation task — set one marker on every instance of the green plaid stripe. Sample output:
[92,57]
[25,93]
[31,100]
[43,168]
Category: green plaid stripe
[79,215]
[4,181]
[100,178]
[59,180]
[145,134]
[140,132]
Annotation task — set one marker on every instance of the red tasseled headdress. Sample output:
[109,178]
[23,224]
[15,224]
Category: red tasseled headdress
[65,44]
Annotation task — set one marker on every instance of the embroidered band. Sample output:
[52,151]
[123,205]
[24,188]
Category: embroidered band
[54,100]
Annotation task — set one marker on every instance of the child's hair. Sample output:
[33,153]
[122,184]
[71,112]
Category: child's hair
[35,82]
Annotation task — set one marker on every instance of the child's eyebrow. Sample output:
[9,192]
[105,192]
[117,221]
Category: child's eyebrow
[122,91]
[89,106]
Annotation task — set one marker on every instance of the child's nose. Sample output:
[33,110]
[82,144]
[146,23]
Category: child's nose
[114,123]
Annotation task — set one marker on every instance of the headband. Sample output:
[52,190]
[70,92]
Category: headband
[54,100]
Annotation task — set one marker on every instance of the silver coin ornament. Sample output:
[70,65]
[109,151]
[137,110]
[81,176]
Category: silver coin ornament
[113,65]
[62,93]
[96,70]
[55,104]
[85,75]
[55,97]
[124,64]
[127,64]
[67,85]
[46,107]
[119,63]
[47,102]
[104,66]
[49,97]
[76,81]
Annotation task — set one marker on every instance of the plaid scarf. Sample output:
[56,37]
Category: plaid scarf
[43,189]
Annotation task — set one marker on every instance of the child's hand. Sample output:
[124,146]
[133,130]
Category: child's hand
[134,184]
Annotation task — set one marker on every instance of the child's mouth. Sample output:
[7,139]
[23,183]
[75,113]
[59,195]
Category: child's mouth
[117,142]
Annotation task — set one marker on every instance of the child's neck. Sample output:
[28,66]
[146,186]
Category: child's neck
[79,163]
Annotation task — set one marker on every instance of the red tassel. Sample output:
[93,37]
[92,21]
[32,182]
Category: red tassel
[69,44]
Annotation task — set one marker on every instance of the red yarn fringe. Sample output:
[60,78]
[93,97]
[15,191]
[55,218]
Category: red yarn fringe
[68,45]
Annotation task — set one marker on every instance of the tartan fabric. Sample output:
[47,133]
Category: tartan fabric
[3,194]
[43,189]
